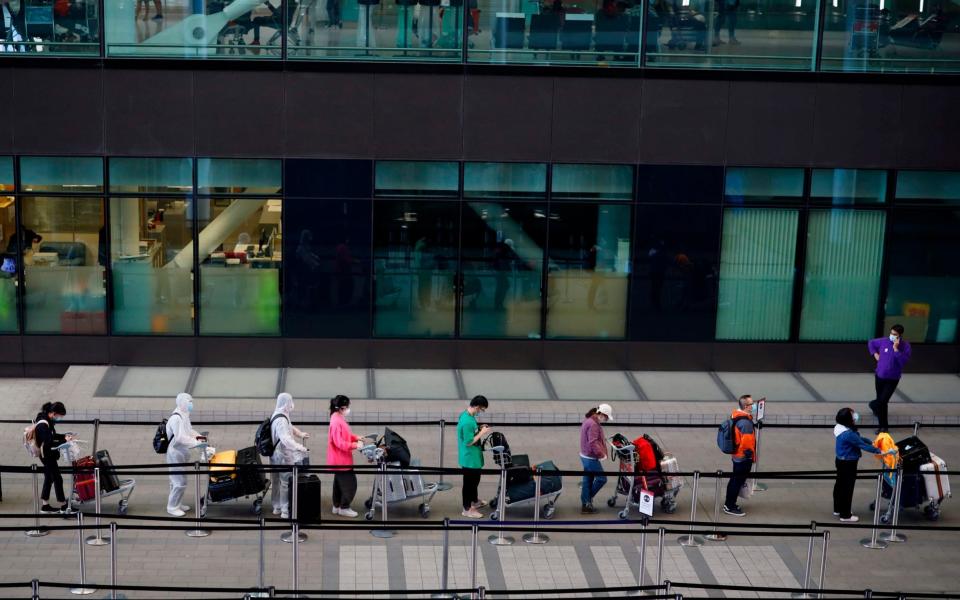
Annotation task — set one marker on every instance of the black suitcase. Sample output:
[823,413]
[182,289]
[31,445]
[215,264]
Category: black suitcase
[109,481]
[548,484]
[913,453]
[308,499]
[223,488]
[252,479]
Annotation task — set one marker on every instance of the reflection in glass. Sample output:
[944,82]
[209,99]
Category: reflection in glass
[9,263]
[842,275]
[61,174]
[848,186]
[45,27]
[587,281]
[239,176]
[239,247]
[414,263]
[152,266]
[744,185]
[502,262]
[592,182]
[756,274]
[402,178]
[505,180]
[924,288]
[63,244]
[151,175]
[928,187]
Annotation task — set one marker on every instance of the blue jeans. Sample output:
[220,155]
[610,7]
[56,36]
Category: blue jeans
[591,483]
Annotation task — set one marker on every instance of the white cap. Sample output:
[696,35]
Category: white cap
[606,409]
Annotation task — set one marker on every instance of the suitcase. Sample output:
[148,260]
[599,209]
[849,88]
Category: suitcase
[308,499]
[913,453]
[670,465]
[109,481]
[225,488]
[528,489]
[252,479]
[936,483]
[84,482]
[221,466]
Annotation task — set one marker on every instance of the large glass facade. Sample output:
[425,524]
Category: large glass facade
[9,260]
[50,28]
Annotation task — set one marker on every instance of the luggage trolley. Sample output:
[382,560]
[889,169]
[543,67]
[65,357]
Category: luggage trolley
[632,478]
[84,481]
[924,481]
[401,485]
[521,487]
[228,483]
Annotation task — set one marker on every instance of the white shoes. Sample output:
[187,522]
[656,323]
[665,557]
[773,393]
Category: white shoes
[472,514]
[336,510]
[175,512]
[276,510]
[184,508]
[284,515]
[348,512]
[850,519]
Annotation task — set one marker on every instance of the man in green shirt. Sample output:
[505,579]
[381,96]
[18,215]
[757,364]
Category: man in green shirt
[470,453]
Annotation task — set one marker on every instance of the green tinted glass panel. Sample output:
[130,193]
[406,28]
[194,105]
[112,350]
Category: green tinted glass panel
[505,180]
[605,182]
[146,175]
[9,264]
[414,178]
[842,275]
[756,273]
[763,185]
[61,174]
[6,173]
[931,187]
[239,176]
[848,186]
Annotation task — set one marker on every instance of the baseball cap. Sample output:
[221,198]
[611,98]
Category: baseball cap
[606,409]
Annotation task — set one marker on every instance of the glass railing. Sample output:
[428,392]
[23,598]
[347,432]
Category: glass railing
[857,35]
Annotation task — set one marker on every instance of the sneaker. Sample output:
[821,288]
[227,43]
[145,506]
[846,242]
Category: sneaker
[588,509]
[472,514]
[836,514]
[348,512]
[479,504]
[850,519]
[184,508]
[49,509]
[284,515]
[176,512]
[336,510]
[735,511]
[276,510]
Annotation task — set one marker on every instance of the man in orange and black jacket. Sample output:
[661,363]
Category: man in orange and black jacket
[744,455]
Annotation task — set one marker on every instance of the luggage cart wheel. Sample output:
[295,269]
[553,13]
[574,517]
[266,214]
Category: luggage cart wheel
[122,507]
[368,515]
[549,509]
[612,502]
[368,503]
[873,505]
[424,510]
[884,518]
[494,516]
[258,507]
[622,514]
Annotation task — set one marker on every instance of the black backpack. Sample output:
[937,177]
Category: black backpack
[657,450]
[160,440]
[263,439]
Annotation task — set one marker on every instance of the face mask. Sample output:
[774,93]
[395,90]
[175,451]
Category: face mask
[190,407]
[753,409]
[856,417]
[56,419]
[893,338]
[346,412]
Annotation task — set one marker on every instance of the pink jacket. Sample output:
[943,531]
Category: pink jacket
[341,442]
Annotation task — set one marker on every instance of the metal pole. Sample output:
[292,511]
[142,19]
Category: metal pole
[916,428]
[872,542]
[690,539]
[757,486]
[893,536]
[442,485]
[660,533]
[97,540]
[643,557]
[474,535]
[868,593]
[96,429]
[37,531]
[197,532]
[499,539]
[806,570]
[445,562]
[82,590]
[296,557]
[715,536]
[113,560]
[481,593]
[294,503]
[536,537]
[35,589]
[823,561]
[383,532]
[262,591]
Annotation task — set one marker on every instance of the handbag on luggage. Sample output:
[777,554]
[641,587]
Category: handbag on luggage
[935,481]
[109,481]
[913,453]
[84,482]
[308,499]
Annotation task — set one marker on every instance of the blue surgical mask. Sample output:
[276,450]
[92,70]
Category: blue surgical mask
[893,338]
[190,407]
[753,409]
[856,417]
[56,419]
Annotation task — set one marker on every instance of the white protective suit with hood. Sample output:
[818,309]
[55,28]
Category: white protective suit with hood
[183,438]
[288,451]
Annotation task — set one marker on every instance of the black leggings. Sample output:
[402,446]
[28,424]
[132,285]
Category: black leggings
[471,485]
[52,476]
[843,488]
[344,488]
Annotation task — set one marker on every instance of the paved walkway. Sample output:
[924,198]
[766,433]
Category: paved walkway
[355,560]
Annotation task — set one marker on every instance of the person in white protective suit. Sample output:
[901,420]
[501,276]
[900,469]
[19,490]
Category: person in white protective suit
[183,438]
[288,451]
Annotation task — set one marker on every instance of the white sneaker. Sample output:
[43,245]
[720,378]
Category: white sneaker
[472,514]
[176,512]
[276,510]
[850,519]
[184,508]
[336,510]
[836,514]
[284,515]
[348,512]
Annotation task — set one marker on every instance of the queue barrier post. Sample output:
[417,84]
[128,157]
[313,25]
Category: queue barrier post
[445,562]
[384,486]
[660,533]
[823,561]
[442,485]
[690,539]
[82,589]
[536,537]
[805,584]
[37,530]
[893,536]
[294,507]
[97,539]
[113,560]
[757,486]
[873,542]
[716,536]
[498,539]
[641,572]
[198,532]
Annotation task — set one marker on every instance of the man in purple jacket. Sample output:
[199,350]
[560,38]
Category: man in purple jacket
[891,353]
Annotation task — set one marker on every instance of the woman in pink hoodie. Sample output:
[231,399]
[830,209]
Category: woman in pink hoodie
[341,443]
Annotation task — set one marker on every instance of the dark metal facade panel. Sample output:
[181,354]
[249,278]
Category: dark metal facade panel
[239,352]
[930,128]
[669,356]
[511,354]
[596,120]
[330,115]
[239,113]
[6,125]
[559,354]
[149,113]
[683,121]
[857,125]
[418,116]
[58,111]
[154,351]
[751,356]
[326,353]
[836,358]
[507,118]
[414,354]
[66,349]
[770,125]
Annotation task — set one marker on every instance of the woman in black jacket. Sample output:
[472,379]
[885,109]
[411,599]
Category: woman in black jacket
[47,440]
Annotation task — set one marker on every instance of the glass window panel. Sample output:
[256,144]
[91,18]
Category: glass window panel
[47,28]
[240,248]
[924,274]
[680,184]
[9,263]
[842,275]
[327,269]
[409,178]
[64,265]
[414,263]
[889,36]
[602,182]
[228,29]
[587,280]
[505,180]
[730,34]
[61,174]
[370,30]
[152,265]
[6,174]
[848,186]
[151,175]
[763,185]
[675,275]
[756,273]
[930,187]
[239,176]
[313,178]
[502,257]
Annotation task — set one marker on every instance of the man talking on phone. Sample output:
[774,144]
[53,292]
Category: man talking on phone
[891,353]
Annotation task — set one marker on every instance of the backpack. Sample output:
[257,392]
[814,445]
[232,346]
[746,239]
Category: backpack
[263,439]
[658,452]
[726,436]
[30,439]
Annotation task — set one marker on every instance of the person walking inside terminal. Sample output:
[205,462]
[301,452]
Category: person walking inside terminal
[593,449]
[469,440]
[47,439]
[287,452]
[848,446]
[341,443]
[743,446]
[183,438]
[891,353]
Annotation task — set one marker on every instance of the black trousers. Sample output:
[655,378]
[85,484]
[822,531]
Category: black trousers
[52,477]
[843,487]
[344,488]
[471,485]
[741,470]
[885,389]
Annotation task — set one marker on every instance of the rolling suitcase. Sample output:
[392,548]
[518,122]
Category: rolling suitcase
[109,481]
[913,453]
[937,483]
[308,499]
[668,466]
[84,481]
[252,480]
[223,483]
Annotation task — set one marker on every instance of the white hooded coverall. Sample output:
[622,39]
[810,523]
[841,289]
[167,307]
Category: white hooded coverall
[288,451]
[183,438]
